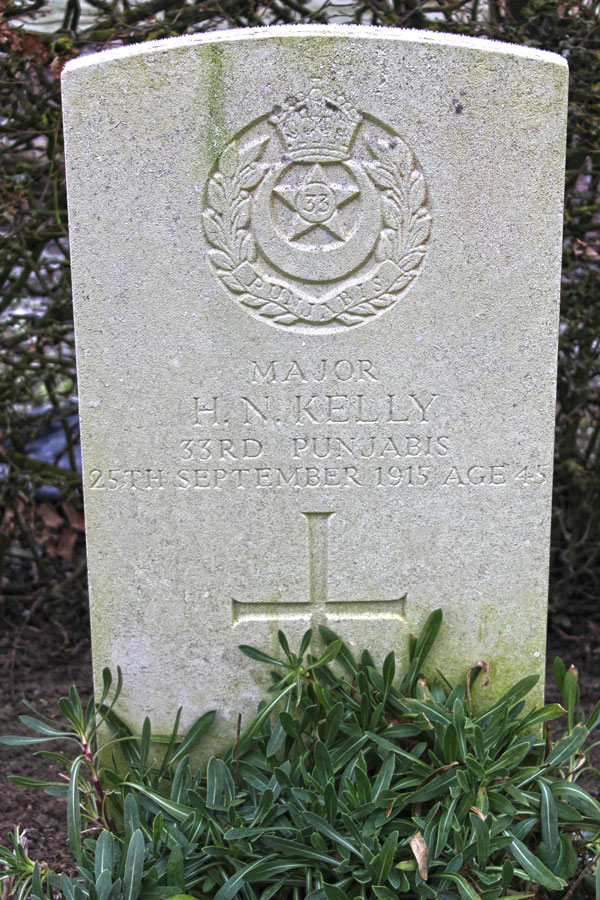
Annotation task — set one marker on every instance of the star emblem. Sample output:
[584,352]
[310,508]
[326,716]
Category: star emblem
[316,202]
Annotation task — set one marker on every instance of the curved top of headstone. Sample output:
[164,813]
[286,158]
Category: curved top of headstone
[269,32]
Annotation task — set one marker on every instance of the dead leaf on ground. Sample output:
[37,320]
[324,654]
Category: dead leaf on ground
[50,548]
[75,516]
[589,251]
[21,41]
[49,516]
[67,543]
[419,848]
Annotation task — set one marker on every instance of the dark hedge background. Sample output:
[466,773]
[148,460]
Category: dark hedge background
[42,552]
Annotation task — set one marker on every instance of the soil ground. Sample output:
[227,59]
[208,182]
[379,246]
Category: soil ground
[39,663]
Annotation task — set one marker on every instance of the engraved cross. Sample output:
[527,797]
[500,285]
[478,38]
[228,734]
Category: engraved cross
[317,606]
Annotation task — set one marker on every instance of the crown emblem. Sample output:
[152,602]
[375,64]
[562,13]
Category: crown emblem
[317,126]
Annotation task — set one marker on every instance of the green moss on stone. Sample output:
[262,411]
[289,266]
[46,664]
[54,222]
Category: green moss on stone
[217,134]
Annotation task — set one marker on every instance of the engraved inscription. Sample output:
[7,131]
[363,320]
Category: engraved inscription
[316,215]
[318,606]
[303,424]
[348,477]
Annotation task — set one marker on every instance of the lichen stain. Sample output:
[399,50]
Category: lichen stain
[217,134]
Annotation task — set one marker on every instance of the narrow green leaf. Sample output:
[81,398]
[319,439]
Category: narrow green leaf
[516,896]
[104,885]
[384,777]
[327,831]
[43,728]
[333,720]
[74,812]
[548,816]
[229,790]
[106,683]
[421,648]
[384,893]
[247,834]
[482,836]
[567,746]
[437,786]
[259,656]
[544,714]
[330,799]
[570,691]
[559,672]
[265,806]
[305,643]
[131,815]
[450,744]
[157,827]
[66,887]
[510,758]
[145,742]
[412,643]
[175,873]
[328,656]
[259,720]
[534,868]
[594,717]
[333,892]
[37,889]
[345,656]
[296,849]
[289,724]
[268,868]
[214,784]
[323,767]
[385,858]
[18,740]
[444,827]
[348,750]
[283,641]
[421,767]
[58,790]
[278,736]
[134,866]
[181,781]
[389,670]
[176,810]
[76,704]
[508,871]
[104,854]
[172,741]
[578,797]
[467,892]
[236,882]
[510,698]
[29,782]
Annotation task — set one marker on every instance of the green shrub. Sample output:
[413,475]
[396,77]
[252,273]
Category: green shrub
[346,785]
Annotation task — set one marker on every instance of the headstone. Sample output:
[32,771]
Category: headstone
[316,277]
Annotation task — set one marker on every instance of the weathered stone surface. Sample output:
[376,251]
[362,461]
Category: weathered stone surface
[316,277]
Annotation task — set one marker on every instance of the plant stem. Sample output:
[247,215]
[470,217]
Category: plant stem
[581,876]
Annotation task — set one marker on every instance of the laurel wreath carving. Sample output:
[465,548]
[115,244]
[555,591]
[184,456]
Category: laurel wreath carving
[227,226]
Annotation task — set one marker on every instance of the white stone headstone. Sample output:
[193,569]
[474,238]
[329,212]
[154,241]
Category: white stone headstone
[316,278]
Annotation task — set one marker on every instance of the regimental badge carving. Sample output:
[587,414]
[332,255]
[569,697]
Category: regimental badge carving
[316,214]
